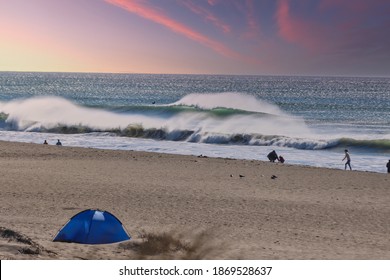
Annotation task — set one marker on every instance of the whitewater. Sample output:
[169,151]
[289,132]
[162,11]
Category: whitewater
[308,120]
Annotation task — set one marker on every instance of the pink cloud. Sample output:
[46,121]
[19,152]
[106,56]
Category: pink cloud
[207,15]
[212,2]
[297,30]
[253,25]
[359,26]
[157,16]
[340,29]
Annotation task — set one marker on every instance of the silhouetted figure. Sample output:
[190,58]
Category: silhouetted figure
[59,143]
[281,159]
[45,142]
[388,166]
[348,157]
[272,156]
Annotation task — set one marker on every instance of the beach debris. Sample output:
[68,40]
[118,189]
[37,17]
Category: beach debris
[274,177]
[241,176]
[231,175]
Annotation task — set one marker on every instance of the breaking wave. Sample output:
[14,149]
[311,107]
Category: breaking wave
[226,118]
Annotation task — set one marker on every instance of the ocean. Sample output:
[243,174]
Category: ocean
[307,120]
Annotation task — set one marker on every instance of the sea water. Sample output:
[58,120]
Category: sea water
[308,120]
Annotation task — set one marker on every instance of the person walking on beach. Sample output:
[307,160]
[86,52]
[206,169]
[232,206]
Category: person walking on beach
[388,166]
[348,158]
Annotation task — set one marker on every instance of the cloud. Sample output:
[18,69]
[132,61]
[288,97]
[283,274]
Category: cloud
[300,31]
[141,9]
[212,2]
[253,25]
[334,26]
[207,15]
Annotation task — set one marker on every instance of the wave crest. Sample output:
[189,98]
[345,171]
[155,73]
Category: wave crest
[50,112]
[230,100]
[228,118]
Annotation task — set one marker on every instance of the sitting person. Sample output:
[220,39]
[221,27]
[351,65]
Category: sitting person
[281,159]
[59,143]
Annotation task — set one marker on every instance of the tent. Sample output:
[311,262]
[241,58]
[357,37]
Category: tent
[92,227]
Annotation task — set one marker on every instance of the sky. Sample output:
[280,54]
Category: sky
[244,37]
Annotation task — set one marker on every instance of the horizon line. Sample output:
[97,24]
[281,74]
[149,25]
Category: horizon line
[198,74]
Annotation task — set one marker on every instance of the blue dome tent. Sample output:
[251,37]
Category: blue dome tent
[92,227]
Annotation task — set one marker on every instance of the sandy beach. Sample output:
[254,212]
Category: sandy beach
[216,208]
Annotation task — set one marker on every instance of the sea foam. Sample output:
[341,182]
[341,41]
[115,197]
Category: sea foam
[222,118]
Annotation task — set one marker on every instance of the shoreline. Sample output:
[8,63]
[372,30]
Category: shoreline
[231,208]
[242,152]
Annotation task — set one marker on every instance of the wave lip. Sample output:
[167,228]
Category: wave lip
[229,100]
[40,113]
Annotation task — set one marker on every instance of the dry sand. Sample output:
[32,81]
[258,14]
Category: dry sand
[201,203]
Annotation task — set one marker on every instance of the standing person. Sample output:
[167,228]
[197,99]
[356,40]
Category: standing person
[388,166]
[348,157]
[59,143]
